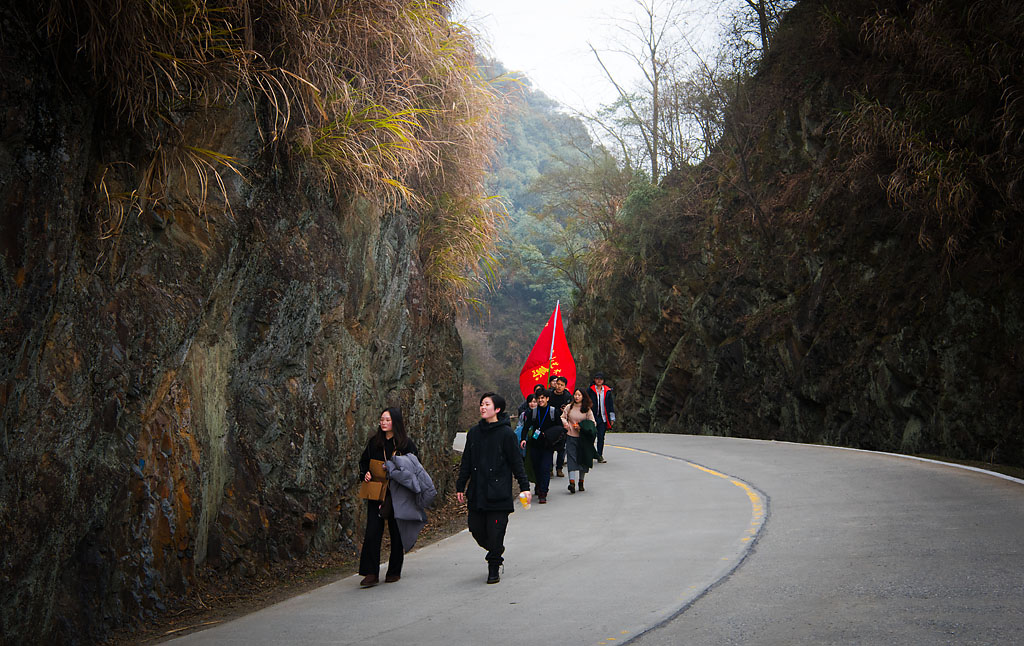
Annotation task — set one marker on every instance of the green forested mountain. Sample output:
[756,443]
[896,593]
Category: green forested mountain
[539,139]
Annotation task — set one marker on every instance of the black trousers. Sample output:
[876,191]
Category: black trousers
[602,428]
[369,557]
[488,528]
[541,458]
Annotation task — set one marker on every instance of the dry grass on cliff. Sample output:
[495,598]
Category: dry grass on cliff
[941,117]
[383,96]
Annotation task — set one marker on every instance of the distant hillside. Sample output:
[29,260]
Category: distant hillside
[536,138]
[846,267]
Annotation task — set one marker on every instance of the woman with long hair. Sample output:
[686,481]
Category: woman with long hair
[575,447]
[390,439]
[529,407]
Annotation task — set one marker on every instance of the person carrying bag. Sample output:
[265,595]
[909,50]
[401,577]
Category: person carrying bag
[389,441]
[377,486]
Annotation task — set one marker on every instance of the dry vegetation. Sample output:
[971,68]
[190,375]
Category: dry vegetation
[382,95]
[946,119]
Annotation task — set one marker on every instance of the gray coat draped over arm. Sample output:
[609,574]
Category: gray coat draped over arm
[412,491]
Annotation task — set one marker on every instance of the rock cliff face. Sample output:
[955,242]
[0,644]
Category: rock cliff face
[801,305]
[185,391]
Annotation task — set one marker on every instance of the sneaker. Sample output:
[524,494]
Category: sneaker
[572,486]
[369,581]
[601,460]
[543,499]
[493,575]
[581,487]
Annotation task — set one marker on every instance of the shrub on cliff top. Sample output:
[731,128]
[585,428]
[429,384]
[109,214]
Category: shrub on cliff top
[383,95]
[941,118]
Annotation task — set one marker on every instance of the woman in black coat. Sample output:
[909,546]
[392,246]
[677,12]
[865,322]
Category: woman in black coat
[389,439]
[490,460]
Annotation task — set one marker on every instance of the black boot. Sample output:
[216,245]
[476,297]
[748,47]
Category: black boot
[492,572]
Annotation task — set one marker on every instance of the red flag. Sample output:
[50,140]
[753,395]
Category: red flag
[550,355]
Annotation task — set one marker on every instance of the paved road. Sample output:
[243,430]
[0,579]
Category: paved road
[861,548]
[698,540]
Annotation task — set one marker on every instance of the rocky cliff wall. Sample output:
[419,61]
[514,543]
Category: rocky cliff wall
[187,387]
[801,305]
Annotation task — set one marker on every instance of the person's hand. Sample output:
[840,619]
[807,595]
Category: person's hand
[522,444]
[460,496]
[529,497]
[367,477]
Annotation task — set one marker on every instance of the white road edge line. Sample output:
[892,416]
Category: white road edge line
[903,455]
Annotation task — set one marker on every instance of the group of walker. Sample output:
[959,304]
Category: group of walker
[558,429]
[552,421]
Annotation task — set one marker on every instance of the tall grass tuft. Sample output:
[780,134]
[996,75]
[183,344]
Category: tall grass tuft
[383,96]
[946,127]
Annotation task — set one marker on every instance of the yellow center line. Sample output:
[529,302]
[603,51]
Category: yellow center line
[757,502]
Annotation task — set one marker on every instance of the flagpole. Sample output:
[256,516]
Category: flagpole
[533,370]
[554,324]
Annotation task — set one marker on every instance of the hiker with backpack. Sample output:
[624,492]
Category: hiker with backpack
[543,432]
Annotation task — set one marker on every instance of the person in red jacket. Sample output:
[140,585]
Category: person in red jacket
[604,411]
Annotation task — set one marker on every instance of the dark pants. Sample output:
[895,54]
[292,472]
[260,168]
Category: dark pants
[369,557]
[488,528]
[560,462]
[541,459]
[601,430]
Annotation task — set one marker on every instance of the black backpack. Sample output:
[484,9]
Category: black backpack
[553,433]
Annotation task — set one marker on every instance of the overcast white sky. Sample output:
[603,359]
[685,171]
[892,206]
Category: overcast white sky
[547,40]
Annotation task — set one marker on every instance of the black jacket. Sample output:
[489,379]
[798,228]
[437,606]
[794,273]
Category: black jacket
[374,451]
[549,421]
[558,402]
[489,460]
[525,406]
[602,416]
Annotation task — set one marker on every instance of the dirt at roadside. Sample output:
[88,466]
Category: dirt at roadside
[212,602]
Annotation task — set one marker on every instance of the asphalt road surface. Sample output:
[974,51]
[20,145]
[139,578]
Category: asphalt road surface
[701,540]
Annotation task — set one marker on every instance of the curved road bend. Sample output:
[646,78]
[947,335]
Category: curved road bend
[860,548]
[700,540]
